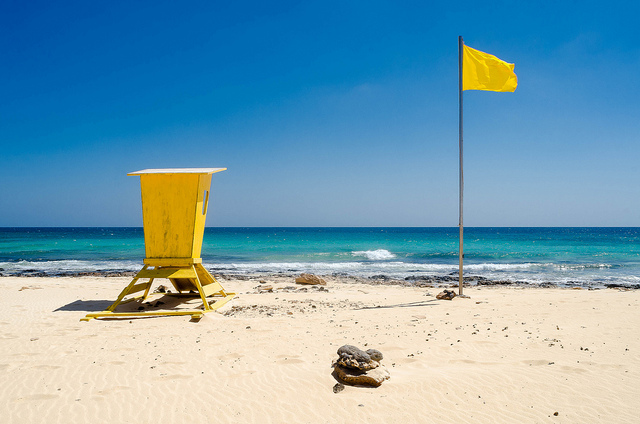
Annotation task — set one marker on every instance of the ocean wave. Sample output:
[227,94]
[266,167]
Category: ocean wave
[576,267]
[392,268]
[67,266]
[353,267]
[375,255]
[527,266]
[535,273]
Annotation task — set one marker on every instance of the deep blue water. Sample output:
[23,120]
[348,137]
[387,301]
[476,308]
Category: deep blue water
[559,255]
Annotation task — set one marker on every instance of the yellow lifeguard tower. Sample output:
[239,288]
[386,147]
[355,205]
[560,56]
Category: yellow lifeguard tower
[174,209]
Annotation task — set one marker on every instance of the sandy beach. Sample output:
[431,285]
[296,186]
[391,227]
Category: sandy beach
[505,355]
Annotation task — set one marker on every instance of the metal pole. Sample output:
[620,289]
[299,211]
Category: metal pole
[460,223]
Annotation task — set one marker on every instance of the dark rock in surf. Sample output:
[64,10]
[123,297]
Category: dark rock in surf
[446,295]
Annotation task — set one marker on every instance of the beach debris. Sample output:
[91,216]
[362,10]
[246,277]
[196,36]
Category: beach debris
[160,289]
[446,295]
[310,279]
[265,288]
[360,368]
[338,388]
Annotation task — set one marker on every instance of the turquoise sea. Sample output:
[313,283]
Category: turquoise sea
[566,256]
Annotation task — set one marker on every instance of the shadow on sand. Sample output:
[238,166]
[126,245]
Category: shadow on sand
[403,305]
[86,306]
[155,302]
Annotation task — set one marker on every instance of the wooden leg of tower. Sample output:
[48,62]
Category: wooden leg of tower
[146,291]
[184,277]
[210,285]
[126,291]
[203,296]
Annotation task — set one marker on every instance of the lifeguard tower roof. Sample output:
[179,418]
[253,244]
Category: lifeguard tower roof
[178,171]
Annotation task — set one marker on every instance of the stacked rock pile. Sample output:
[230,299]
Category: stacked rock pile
[360,368]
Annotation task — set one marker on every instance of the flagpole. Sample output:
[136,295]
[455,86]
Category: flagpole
[460,222]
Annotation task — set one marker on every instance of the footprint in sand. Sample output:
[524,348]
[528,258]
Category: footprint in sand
[574,370]
[88,336]
[288,360]
[8,336]
[172,363]
[45,367]
[174,377]
[230,356]
[537,362]
[115,389]
[36,397]
[26,354]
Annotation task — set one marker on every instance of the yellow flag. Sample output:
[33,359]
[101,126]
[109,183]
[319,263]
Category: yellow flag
[483,71]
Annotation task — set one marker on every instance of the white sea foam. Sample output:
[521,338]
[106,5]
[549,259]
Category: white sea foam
[501,267]
[394,269]
[534,273]
[62,266]
[574,267]
[526,272]
[375,255]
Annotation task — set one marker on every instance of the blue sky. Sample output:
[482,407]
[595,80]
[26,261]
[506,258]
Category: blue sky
[325,113]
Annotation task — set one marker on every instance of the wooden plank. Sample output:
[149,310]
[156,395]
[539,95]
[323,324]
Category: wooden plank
[142,314]
[211,289]
[184,284]
[222,301]
[204,276]
[167,273]
[138,287]
[167,262]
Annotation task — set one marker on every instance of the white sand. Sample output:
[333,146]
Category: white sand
[507,355]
